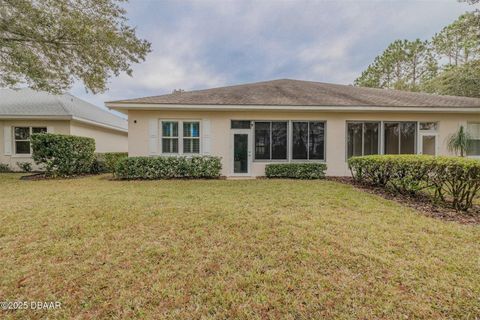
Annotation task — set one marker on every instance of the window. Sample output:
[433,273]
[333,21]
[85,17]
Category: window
[474,130]
[191,137]
[180,137]
[308,140]
[400,137]
[22,138]
[428,126]
[240,124]
[169,137]
[362,138]
[271,140]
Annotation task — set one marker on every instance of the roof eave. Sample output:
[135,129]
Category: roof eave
[122,107]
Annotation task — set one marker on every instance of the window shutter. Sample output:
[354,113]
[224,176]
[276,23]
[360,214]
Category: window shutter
[153,137]
[50,129]
[7,140]
[206,137]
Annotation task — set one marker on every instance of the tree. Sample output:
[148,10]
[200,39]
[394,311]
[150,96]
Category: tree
[459,42]
[403,65]
[48,44]
[461,80]
[449,64]
[459,142]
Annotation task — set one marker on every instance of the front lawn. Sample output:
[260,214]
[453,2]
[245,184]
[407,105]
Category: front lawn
[252,249]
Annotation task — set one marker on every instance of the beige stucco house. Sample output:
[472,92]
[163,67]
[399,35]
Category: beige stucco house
[283,121]
[25,111]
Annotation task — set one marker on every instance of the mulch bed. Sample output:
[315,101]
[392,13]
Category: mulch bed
[41,176]
[422,203]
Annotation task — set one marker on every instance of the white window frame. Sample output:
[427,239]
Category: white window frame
[24,140]
[466,128]
[180,137]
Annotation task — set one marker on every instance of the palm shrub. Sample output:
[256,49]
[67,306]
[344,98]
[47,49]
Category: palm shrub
[459,142]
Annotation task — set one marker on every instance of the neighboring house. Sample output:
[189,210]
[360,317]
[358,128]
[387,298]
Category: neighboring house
[25,111]
[281,121]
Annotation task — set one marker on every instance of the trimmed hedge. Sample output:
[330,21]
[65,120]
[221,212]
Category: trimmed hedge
[4,168]
[63,155]
[105,162]
[452,179]
[296,170]
[150,168]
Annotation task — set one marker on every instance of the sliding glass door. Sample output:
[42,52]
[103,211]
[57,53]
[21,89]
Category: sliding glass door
[399,137]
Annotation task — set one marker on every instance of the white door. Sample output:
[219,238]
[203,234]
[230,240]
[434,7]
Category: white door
[241,149]
[428,144]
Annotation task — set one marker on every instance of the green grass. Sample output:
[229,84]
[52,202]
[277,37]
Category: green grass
[253,249]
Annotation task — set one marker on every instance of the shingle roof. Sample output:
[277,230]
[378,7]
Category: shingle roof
[27,102]
[289,92]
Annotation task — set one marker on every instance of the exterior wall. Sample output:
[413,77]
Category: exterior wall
[57,126]
[106,140]
[220,131]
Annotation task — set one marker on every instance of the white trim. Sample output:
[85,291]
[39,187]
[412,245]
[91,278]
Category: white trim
[220,107]
[425,133]
[8,140]
[249,134]
[14,145]
[98,124]
[53,118]
[180,137]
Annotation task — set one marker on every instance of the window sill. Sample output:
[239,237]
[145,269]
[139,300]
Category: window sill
[21,156]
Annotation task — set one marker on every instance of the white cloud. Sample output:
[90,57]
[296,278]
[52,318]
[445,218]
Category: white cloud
[201,44]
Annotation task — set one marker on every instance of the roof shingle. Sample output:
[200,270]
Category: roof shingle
[27,102]
[289,92]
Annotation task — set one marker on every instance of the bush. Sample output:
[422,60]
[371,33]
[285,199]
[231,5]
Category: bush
[112,158]
[296,170]
[25,166]
[106,162]
[168,167]
[63,155]
[98,164]
[452,179]
[4,167]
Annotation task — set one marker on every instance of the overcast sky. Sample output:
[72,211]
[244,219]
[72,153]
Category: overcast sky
[202,44]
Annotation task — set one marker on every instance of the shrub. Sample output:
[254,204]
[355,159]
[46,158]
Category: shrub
[296,170]
[452,178]
[168,167]
[112,158]
[98,164]
[4,167]
[105,162]
[63,155]
[25,166]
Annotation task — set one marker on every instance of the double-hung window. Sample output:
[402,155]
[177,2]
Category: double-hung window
[271,140]
[22,138]
[308,140]
[170,137]
[362,138]
[400,137]
[191,137]
[473,130]
[180,137]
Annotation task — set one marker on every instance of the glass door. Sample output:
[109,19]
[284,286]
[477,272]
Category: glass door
[241,152]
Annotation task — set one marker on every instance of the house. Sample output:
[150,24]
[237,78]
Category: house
[25,111]
[281,121]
